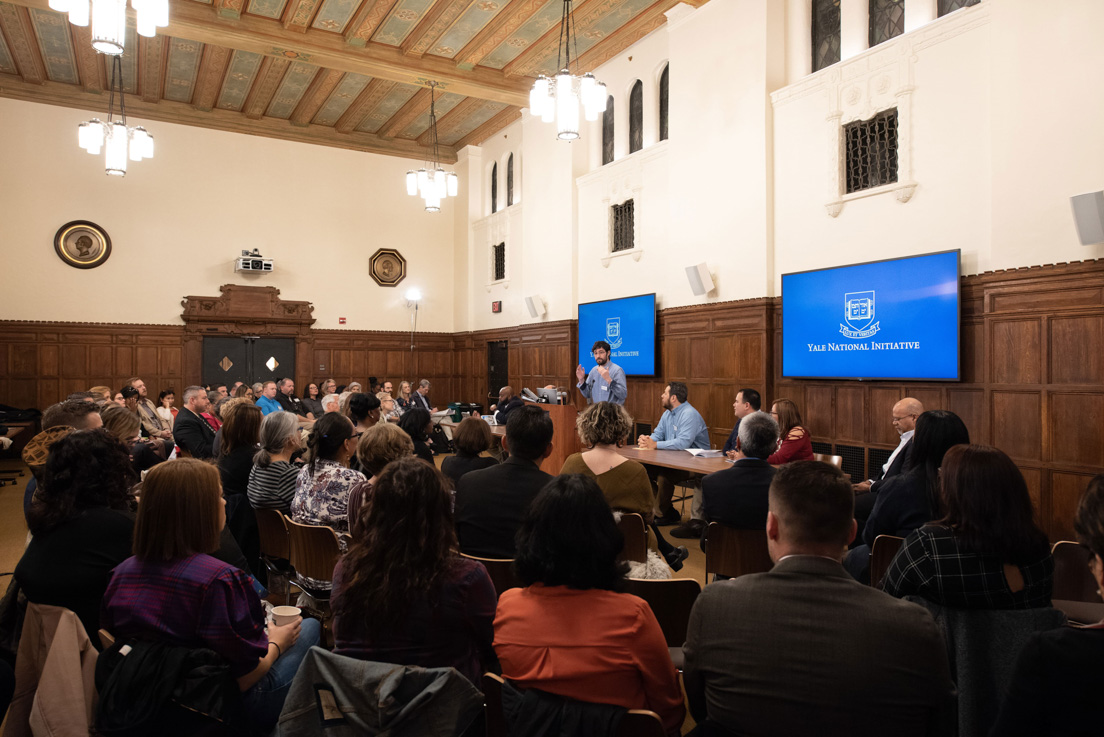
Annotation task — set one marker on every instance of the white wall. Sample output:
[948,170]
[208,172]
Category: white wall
[177,221]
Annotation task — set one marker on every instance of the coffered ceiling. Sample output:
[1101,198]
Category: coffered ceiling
[345,73]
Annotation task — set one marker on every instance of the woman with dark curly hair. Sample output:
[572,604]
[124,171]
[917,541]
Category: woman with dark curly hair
[401,595]
[82,522]
[568,632]
[417,423]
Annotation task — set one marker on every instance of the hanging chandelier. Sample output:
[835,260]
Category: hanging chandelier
[432,182]
[114,137]
[109,18]
[558,99]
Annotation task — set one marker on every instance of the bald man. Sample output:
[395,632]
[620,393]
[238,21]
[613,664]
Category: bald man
[507,403]
[905,413]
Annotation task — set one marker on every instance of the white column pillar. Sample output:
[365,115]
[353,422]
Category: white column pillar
[854,27]
[799,39]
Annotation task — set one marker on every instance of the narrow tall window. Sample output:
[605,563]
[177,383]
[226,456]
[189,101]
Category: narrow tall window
[887,20]
[664,105]
[494,188]
[498,253]
[623,226]
[607,132]
[826,33]
[510,180]
[950,6]
[636,117]
[871,151]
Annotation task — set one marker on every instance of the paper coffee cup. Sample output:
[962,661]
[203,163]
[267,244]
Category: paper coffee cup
[282,615]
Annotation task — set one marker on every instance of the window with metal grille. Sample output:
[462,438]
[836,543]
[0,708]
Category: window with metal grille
[870,151]
[498,253]
[636,117]
[887,20]
[664,106]
[494,188]
[950,6]
[826,33]
[607,132]
[510,180]
[623,226]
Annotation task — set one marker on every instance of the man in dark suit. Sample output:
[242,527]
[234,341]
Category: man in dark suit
[780,653]
[420,398]
[737,496]
[905,413]
[507,403]
[491,502]
[191,432]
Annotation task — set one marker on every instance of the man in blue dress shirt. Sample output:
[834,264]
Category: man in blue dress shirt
[606,381]
[680,427]
[267,401]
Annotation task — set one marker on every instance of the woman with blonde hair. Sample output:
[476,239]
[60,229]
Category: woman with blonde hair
[127,428]
[405,400]
[796,444]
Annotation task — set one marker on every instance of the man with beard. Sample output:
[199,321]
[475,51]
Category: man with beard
[680,427]
[606,381]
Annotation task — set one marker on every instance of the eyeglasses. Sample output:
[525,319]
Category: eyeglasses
[898,419]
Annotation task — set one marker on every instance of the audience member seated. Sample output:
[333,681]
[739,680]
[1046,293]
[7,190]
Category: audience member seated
[401,595]
[910,500]
[603,427]
[378,446]
[567,632]
[173,591]
[508,401]
[1056,685]
[746,402]
[243,391]
[258,390]
[986,552]
[81,522]
[738,496]
[312,401]
[285,395]
[102,392]
[331,403]
[364,410]
[126,427]
[240,436]
[389,411]
[211,415]
[74,415]
[491,503]
[471,439]
[267,400]
[165,409]
[795,442]
[151,421]
[420,398]
[192,433]
[805,649]
[680,427]
[904,415]
[322,488]
[354,387]
[272,478]
[119,399]
[417,423]
[405,400]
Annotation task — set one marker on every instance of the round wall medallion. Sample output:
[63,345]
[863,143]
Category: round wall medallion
[387,267]
[82,244]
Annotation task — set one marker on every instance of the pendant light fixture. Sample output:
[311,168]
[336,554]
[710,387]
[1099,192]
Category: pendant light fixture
[114,138]
[432,182]
[558,99]
[109,18]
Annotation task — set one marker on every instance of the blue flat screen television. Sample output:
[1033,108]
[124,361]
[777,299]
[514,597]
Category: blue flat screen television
[894,319]
[628,325]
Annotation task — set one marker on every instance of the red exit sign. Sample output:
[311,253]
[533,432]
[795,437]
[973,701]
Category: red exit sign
[496,306]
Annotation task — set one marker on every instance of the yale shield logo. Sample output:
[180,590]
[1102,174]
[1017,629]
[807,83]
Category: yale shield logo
[858,315]
[613,332]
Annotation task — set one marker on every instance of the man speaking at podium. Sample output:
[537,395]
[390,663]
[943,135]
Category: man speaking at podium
[606,381]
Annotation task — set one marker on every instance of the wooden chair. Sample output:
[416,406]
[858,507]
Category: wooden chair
[882,554]
[635,723]
[831,460]
[314,552]
[636,538]
[730,552]
[1072,580]
[275,547]
[106,638]
[671,601]
[501,571]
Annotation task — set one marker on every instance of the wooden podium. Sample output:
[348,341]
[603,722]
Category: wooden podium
[565,440]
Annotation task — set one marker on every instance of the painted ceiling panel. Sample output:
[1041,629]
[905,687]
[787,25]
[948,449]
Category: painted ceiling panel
[335,14]
[387,107]
[590,34]
[341,98]
[130,60]
[402,20]
[7,64]
[291,90]
[52,30]
[532,29]
[477,118]
[444,103]
[466,26]
[266,8]
[239,78]
[182,67]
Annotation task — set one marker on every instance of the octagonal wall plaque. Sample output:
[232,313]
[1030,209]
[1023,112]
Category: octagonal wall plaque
[387,267]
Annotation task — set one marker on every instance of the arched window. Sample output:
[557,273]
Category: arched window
[636,117]
[607,132]
[887,20]
[826,33]
[664,106]
[494,188]
[510,180]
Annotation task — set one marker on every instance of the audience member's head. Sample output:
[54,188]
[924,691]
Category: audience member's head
[331,439]
[988,506]
[674,395]
[131,397]
[343,402]
[312,391]
[364,409]
[568,537]
[354,387]
[258,389]
[286,386]
[404,389]
[747,401]
[603,423]
[213,398]
[472,437]
[423,386]
[415,423]
[241,427]
[243,391]
[381,444]
[528,433]
[268,389]
[166,398]
[331,403]
[786,414]
[279,434]
[84,470]
[75,413]
[139,385]
[329,386]
[122,423]
[505,394]
[195,399]
[812,511]
[223,404]
[182,511]
[222,391]
[119,399]
[1088,524]
[102,392]
[83,396]
[937,431]
[387,403]
[905,413]
[758,435]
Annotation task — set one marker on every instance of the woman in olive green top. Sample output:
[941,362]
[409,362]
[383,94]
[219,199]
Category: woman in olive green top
[603,428]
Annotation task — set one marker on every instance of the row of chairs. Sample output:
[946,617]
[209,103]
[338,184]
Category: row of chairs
[297,553]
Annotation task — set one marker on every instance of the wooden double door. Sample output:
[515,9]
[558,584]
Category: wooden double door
[247,358]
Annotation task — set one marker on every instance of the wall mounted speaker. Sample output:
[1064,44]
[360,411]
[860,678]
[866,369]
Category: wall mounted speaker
[535,305]
[1088,214]
[700,280]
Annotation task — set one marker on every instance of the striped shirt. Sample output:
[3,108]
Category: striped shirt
[272,486]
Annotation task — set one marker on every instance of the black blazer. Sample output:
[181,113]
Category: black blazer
[490,504]
[192,433]
[421,401]
[895,468]
[505,409]
[737,496]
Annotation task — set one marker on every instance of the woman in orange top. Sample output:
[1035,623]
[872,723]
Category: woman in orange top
[568,632]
